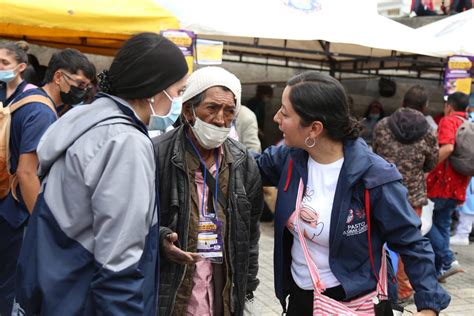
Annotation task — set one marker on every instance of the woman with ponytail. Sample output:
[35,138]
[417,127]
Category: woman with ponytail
[332,193]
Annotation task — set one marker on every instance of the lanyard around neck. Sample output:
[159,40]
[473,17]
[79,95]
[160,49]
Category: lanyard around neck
[204,175]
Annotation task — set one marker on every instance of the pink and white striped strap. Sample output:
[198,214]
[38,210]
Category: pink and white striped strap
[313,269]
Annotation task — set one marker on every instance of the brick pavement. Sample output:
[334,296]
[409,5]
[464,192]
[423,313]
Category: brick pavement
[460,286]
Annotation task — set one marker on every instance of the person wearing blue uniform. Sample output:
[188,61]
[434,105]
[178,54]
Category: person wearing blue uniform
[325,161]
[13,61]
[91,247]
[28,124]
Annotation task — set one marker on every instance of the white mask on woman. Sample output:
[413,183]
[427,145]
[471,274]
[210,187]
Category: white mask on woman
[208,135]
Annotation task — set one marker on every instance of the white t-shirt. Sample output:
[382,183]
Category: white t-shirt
[315,220]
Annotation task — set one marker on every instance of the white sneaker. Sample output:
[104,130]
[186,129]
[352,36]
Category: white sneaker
[455,268]
[458,240]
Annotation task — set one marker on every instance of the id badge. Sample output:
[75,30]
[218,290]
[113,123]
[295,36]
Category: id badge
[209,240]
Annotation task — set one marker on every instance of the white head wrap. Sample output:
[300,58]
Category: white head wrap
[205,78]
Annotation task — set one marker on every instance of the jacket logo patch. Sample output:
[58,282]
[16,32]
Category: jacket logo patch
[359,226]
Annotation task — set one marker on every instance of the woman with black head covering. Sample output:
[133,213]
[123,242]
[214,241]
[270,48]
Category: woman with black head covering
[91,243]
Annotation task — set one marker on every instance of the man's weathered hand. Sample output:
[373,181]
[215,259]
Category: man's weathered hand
[177,255]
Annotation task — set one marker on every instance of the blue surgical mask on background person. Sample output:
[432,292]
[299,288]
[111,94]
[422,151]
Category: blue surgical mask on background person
[7,75]
[161,123]
[374,116]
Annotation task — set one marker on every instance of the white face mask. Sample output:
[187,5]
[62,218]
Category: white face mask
[208,135]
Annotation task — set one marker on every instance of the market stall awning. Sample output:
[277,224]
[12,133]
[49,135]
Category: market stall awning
[339,36]
[335,35]
[335,21]
[452,35]
[97,27]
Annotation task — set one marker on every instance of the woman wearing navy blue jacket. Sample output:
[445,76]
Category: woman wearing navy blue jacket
[322,151]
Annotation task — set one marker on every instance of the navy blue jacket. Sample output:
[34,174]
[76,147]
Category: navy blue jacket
[392,220]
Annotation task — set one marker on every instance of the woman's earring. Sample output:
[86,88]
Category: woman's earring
[307,142]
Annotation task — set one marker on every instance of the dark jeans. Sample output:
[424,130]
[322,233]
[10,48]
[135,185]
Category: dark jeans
[440,232]
[10,244]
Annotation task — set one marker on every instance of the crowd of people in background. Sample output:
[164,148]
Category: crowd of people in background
[138,191]
[406,139]
[423,150]
[427,8]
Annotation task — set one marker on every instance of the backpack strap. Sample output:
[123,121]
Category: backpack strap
[29,86]
[30,99]
[12,108]
[460,117]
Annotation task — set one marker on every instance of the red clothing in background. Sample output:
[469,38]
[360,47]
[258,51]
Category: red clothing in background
[443,182]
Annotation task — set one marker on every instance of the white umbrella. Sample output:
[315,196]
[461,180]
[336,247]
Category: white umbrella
[335,21]
[450,36]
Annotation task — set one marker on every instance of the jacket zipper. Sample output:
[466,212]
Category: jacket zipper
[185,246]
[232,233]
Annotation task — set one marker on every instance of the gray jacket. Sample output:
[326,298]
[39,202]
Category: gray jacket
[247,129]
[86,249]
[243,215]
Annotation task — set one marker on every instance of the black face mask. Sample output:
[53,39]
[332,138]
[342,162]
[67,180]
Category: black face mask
[74,96]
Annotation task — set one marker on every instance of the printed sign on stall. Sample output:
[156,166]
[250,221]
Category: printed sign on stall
[185,41]
[458,75]
[209,52]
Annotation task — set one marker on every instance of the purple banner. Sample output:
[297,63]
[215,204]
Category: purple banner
[183,39]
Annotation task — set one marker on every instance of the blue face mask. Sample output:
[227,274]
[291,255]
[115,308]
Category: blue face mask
[161,123]
[7,75]
[374,116]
